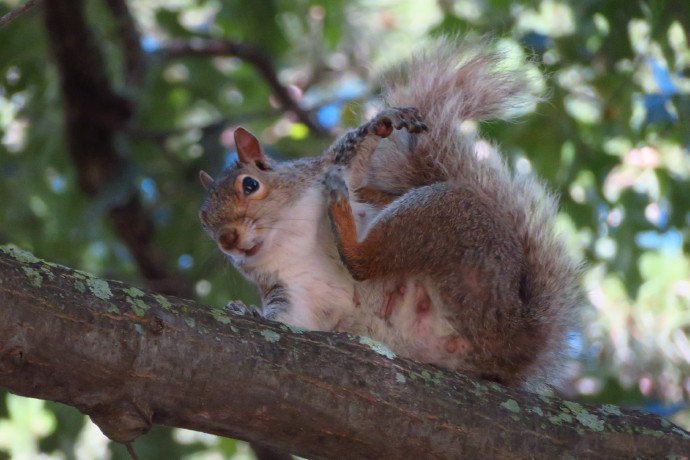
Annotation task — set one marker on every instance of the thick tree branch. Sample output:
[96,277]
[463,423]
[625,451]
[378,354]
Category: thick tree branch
[251,54]
[130,359]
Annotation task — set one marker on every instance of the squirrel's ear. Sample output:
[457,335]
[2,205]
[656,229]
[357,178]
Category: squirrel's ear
[206,179]
[249,150]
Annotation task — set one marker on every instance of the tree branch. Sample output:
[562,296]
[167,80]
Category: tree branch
[18,11]
[256,57]
[129,359]
[129,35]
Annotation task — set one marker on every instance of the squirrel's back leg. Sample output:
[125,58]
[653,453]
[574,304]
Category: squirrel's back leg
[444,230]
[458,240]
[354,149]
[365,138]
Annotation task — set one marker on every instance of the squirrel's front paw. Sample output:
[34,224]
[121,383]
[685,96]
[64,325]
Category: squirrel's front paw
[335,185]
[397,118]
[241,309]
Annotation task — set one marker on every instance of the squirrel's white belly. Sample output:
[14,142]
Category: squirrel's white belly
[304,258]
[319,296]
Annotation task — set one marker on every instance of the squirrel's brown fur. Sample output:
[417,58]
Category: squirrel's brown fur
[454,258]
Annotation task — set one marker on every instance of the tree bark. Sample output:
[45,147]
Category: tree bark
[130,358]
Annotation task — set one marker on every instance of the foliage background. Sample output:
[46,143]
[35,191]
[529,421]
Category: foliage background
[613,139]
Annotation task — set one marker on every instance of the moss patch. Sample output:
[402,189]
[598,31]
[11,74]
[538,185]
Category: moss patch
[377,347]
[100,288]
[139,307]
[429,377]
[536,410]
[134,297]
[270,336]
[20,255]
[220,316]
[560,418]
[651,432]
[134,292]
[80,286]
[34,276]
[511,405]
[163,302]
[610,409]
[586,418]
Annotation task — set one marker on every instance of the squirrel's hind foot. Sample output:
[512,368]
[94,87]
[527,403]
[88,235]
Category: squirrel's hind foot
[385,121]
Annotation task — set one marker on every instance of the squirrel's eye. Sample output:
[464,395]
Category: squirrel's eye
[250,185]
[250,188]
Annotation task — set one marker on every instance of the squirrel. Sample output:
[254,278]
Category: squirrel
[409,229]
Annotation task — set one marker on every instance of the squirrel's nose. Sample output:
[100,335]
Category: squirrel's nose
[227,240]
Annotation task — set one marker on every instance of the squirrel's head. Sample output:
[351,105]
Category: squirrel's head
[245,201]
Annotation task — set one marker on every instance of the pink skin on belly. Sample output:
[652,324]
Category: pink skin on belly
[456,345]
[423,324]
[396,297]
[427,342]
[392,299]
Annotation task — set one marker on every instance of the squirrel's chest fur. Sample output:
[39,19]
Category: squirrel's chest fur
[302,259]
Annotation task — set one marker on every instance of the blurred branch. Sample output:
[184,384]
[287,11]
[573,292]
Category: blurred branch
[18,11]
[130,359]
[94,115]
[218,123]
[129,34]
[255,56]
[93,111]
[161,135]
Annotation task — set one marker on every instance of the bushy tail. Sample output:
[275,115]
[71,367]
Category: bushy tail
[453,82]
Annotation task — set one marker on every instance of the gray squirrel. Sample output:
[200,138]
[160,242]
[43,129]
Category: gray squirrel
[407,232]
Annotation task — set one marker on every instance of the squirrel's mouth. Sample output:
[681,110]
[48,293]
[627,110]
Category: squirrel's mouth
[253,250]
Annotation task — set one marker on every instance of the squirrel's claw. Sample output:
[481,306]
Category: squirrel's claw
[241,309]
